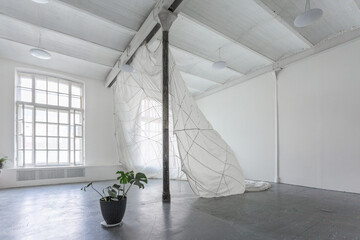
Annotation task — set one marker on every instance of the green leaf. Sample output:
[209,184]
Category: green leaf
[112,192]
[139,179]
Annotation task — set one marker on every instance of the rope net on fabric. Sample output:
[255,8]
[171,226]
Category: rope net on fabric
[197,151]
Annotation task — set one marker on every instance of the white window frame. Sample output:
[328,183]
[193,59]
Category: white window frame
[70,110]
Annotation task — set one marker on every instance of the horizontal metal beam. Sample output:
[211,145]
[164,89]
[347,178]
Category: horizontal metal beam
[145,29]
[323,46]
[283,22]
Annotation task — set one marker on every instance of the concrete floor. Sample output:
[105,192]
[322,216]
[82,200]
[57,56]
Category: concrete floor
[283,212]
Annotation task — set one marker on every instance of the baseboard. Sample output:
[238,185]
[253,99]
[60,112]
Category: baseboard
[9,178]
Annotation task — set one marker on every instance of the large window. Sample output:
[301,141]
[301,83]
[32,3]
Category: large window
[49,121]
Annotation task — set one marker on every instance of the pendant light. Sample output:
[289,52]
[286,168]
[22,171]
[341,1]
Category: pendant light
[40,53]
[219,64]
[41,1]
[310,16]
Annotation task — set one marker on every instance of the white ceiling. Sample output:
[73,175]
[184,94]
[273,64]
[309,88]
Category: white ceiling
[86,37]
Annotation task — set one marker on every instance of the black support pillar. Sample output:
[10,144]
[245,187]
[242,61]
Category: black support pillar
[166,19]
[165,115]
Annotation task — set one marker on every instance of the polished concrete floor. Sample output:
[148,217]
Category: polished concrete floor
[283,212]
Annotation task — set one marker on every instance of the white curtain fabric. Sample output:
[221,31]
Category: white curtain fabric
[196,149]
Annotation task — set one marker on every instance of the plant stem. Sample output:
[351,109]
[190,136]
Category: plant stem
[97,191]
[128,189]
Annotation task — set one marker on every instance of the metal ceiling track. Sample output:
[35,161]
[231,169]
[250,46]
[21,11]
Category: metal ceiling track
[147,30]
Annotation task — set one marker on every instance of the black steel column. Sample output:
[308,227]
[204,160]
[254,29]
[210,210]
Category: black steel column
[165,115]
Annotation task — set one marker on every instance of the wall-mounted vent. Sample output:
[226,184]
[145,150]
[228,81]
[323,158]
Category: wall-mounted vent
[41,174]
[51,173]
[26,175]
[76,172]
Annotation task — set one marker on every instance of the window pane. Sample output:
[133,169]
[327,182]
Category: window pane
[64,117]
[20,142]
[64,157]
[63,100]
[20,112]
[78,143]
[40,82]
[25,80]
[52,130]
[28,129]
[63,130]
[52,116]
[20,127]
[76,89]
[63,86]
[72,118]
[78,157]
[28,157]
[28,111]
[40,143]
[52,98]
[52,84]
[78,131]
[40,157]
[40,115]
[75,102]
[52,143]
[40,129]
[24,95]
[72,156]
[78,118]
[64,143]
[28,143]
[20,158]
[53,157]
[40,97]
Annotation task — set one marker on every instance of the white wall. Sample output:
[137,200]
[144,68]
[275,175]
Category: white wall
[319,107]
[319,121]
[244,116]
[100,146]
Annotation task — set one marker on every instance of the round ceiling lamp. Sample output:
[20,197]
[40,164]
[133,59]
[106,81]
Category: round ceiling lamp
[41,1]
[308,17]
[41,54]
[219,64]
[127,68]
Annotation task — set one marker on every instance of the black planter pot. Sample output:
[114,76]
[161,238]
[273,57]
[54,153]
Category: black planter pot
[113,211]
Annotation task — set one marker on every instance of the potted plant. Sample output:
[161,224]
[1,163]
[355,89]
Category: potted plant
[113,198]
[2,160]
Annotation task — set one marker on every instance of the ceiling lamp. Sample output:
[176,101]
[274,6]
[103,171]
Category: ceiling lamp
[309,16]
[39,53]
[41,1]
[127,68]
[219,64]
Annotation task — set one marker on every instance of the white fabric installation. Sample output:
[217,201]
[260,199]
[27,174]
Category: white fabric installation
[196,148]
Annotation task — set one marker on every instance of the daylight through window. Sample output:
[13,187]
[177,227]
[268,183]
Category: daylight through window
[49,121]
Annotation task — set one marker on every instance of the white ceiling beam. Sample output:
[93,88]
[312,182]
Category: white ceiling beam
[321,47]
[58,32]
[62,54]
[283,22]
[131,31]
[138,39]
[201,56]
[42,29]
[226,36]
